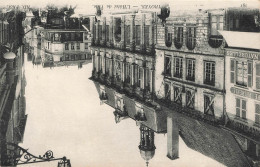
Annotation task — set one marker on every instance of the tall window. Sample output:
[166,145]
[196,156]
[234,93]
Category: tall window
[257,76]
[178,37]
[107,33]
[72,36]
[178,67]
[241,72]
[100,32]
[168,36]
[118,70]
[190,99]
[146,35]
[190,75]
[140,74]
[241,77]
[191,38]
[208,104]
[72,46]
[128,73]
[138,34]
[117,29]
[66,46]
[216,23]
[209,73]
[167,90]
[257,114]
[167,66]
[241,108]
[86,46]
[177,97]
[78,46]
[127,34]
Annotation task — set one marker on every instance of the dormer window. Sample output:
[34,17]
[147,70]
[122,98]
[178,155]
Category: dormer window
[191,38]
[178,37]
[168,36]
[216,23]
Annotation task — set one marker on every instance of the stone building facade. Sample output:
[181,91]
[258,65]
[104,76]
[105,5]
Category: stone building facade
[190,58]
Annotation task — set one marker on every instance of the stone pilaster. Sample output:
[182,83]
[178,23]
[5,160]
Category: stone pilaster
[122,42]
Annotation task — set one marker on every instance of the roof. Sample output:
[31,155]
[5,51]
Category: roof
[247,40]
[210,141]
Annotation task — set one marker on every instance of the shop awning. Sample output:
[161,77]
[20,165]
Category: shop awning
[249,40]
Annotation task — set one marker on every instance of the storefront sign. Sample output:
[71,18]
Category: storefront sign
[247,55]
[240,92]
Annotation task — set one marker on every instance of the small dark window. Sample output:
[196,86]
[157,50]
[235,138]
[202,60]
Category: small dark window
[178,37]
[209,73]
[146,35]
[167,66]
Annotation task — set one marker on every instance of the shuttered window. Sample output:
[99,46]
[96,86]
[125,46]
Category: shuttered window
[232,70]
[241,108]
[257,113]
[146,35]
[257,76]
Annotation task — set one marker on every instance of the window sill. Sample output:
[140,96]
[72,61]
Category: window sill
[241,86]
[241,119]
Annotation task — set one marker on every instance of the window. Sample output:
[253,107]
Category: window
[178,37]
[107,33]
[140,74]
[177,97]
[190,99]
[66,46]
[209,73]
[138,34]
[67,57]
[118,70]
[241,73]
[146,35]
[167,66]
[257,113]
[128,73]
[168,36]
[117,29]
[72,35]
[127,34]
[190,69]
[86,36]
[178,67]
[216,23]
[241,108]
[257,76]
[78,46]
[208,105]
[56,37]
[83,56]
[100,32]
[72,57]
[86,46]
[167,90]
[191,38]
[72,46]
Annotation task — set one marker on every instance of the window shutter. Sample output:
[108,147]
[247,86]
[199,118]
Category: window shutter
[238,107]
[258,76]
[250,74]
[232,70]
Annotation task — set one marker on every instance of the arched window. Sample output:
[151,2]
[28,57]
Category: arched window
[168,36]
[216,23]
[191,38]
[178,37]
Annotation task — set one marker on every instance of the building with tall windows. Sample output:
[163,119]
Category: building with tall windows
[189,49]
[123,51]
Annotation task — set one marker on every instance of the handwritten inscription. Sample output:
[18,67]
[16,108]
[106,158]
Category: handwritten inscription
[127,6]
[245,93]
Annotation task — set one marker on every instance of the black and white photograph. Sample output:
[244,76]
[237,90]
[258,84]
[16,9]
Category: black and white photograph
[159,83]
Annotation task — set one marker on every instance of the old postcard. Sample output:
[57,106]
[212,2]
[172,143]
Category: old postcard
[130,83]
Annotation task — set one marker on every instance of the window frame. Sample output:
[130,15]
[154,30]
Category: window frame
[178,70]
[257,114]
[190,73]
[240,111]
[178,36]
[191,35]
[167,67]
[212,76]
